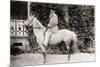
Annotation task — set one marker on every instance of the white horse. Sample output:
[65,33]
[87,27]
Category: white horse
[69,37]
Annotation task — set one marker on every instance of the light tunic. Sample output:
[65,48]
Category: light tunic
[53,20]
[53,28]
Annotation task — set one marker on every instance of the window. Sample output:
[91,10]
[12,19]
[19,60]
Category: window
[19,10]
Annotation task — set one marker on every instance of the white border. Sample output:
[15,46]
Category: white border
[5,36]
[82,2]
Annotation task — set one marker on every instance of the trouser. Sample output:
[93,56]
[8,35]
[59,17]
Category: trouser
[49,33]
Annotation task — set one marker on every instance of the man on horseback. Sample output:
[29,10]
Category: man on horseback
[51,27]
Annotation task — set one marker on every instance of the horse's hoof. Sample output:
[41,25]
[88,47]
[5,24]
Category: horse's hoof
[44,61]
[68,59]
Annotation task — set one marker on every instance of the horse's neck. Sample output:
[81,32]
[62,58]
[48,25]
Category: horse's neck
[38,32]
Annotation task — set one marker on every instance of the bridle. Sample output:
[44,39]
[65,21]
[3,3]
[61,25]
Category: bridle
[34,27]
[30,22]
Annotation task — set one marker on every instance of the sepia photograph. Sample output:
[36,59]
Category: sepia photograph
[51,33]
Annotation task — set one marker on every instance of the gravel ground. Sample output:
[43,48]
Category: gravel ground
[35,59]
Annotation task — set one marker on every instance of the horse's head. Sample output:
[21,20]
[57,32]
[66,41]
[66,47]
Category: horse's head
[28,24]
[33,25]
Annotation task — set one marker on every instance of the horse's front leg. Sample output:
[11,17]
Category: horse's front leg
[44,54]
[40,42]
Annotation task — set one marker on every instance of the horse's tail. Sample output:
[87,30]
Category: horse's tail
[73,47]
[75,43]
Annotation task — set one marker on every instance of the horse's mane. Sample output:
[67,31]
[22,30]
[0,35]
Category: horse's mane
[38,23]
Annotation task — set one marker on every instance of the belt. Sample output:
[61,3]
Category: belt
[52,26]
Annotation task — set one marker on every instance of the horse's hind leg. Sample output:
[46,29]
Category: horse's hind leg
[69,54]
[68,46]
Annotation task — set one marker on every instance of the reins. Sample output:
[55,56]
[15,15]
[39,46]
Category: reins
[37,27]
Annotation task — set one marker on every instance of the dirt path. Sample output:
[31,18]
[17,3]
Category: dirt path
[34,59]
